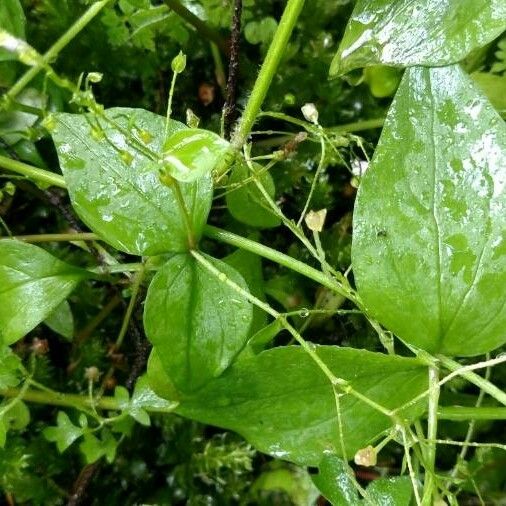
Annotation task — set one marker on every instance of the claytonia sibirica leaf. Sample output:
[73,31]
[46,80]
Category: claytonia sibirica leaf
[114,183]
[196,321]
[33,284]
[283,404]
[417,32]
[429,241]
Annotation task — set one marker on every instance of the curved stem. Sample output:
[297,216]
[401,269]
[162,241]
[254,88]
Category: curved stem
[40,175]
[273,58]
[55,49]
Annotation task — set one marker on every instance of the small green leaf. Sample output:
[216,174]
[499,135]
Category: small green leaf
[245,201]
[116,190]
[65,432]
[17,417]
[32,284]
[12,20]
[417,32]
[94,448]
[429,240]
[493,86]
[284,405]
[61,321]
[336,484]
[197,322]
[192,153]
[9,368]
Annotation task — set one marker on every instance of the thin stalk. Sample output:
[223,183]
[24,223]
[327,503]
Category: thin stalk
[280,258]
[357,126]
[81,402]
[429,487]
[56,48]
[42,176]
[169,104]
[463,413]
[466,373]
[80,236]
[199,25]
[269,67]
[192,243]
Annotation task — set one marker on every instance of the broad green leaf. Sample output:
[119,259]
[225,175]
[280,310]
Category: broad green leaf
[9,368]
[192,153]
[417,32]
[144,397]
[283,404]
[116,190]
[65,432]
[388,491]
[335,482]
[197,322]
[17,417]
[245,201]
[61,321]
[12,20]
[429,241]
[33,284]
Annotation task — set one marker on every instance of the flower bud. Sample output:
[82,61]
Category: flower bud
[179,63]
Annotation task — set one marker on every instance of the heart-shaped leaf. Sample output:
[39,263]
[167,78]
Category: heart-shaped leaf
[417,32]
[429,242]
[283,404]
[114,185]
[197,322]
[33,284]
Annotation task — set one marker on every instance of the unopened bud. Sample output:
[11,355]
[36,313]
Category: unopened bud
[179,63]
[310,112]
[192,120]
[366,457]
[316,219]
[95,77]
[92,374]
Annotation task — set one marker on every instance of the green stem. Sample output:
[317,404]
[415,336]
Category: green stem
[86,236]
[55,49]
[169,105]
[474,378]
[273,58]
[42,176]
[72,400]
[192,243]
[201,27]
[464,413]
[278,257]
[357,126]
[429,488]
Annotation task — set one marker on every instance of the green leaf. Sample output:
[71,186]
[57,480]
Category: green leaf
[94,448]
[335,482]
[9,368]
[493,86]
[388,491]
[144,397]
[429,242]
[116,190]
[249,266]
[32,284]
[61,321]
[197,322]
[12,20]
[192,153]
[17,417]
[246,203]
[417,32]
[65,432]
[284,405]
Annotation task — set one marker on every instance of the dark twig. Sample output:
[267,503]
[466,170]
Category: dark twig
[81,484]
[230,107]
[201,27]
